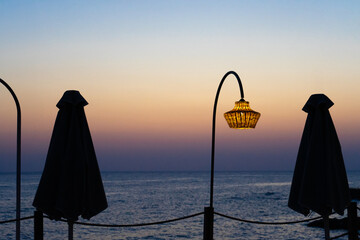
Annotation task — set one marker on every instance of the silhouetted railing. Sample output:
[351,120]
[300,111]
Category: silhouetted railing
[15,219]
[38,224]
[266,223]
[39,235]
[132,225]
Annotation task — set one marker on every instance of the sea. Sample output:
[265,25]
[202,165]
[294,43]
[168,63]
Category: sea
[144,197]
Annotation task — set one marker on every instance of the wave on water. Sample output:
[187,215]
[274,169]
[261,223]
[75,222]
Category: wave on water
[268,184]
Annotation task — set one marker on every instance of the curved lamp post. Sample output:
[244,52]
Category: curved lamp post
[241,117]
[18,159]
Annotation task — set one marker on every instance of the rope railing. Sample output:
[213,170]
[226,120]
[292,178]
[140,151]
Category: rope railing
[14,220]
[131,225]
[170,220]
[339,236]
[178,219]
[277,223]
[266,223]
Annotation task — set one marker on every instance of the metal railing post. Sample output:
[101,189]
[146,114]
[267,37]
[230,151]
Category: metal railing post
[71,230]
[208,223]
[38,225]
[352,221]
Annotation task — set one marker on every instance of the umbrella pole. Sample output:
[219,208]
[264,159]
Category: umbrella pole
[71,229]
[326,227]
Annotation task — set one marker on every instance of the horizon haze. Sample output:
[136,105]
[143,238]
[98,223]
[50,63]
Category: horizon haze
[150,70]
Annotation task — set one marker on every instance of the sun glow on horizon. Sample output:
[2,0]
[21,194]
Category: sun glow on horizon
[150,71]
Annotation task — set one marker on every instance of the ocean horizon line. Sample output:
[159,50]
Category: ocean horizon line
[174,171]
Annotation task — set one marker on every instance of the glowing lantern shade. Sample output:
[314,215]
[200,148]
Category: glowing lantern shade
[242,116]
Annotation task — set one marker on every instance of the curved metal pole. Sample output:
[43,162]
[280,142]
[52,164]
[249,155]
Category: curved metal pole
[213,129]
[18,159]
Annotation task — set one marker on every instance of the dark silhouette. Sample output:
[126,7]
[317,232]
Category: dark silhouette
[71,183]
[334,223]
[342,223]
[355,193]
[18,158]
[319,182]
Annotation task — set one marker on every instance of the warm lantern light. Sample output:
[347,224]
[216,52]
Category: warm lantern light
[242,116]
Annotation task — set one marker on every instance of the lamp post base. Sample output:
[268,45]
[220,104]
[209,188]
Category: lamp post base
[208,223]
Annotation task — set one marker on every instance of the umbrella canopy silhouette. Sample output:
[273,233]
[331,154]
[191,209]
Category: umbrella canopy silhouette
[71,184]
[319,182]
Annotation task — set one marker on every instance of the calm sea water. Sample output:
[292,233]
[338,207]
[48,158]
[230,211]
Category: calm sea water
[138,197]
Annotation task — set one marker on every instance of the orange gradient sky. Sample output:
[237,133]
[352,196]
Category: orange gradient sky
[150,71]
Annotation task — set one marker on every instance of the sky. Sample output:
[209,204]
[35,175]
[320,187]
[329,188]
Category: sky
[150,71]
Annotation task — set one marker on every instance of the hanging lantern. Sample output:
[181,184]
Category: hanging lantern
[242,116]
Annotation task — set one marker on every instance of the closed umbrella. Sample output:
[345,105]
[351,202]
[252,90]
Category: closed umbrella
[71,184]
[319,182]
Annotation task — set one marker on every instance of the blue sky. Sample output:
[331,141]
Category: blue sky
[164,60]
